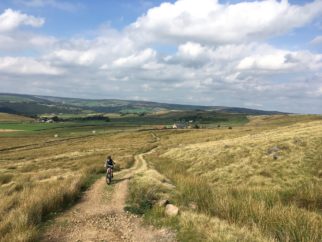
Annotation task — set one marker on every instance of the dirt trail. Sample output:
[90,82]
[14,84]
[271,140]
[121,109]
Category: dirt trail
[8,130]
[100,215]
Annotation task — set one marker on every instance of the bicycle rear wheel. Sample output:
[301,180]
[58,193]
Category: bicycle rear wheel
[109,177]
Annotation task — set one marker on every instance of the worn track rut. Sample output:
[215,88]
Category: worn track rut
[100,215]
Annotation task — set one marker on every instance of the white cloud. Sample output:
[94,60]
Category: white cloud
[15,38]
[27,66]
[42,41]
[10,20]
[106,48]
[268,62]
[306,60]
[191,54]
[320,91]
[191,50]
[136,60]
[74,56]
[5,41]
[19,41]
[317,92]
[317,40]
[208,21]
[282,60]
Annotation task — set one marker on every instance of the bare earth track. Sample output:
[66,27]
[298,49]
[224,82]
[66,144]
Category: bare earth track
[100,215]
[8,130]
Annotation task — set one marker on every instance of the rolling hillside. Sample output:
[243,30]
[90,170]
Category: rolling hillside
[5,117]
[32,105]
[258,182]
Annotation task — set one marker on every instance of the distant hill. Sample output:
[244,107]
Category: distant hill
[33,105]
[5,117]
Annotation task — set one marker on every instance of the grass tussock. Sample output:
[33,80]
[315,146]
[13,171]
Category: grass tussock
[5,178]
[145,190]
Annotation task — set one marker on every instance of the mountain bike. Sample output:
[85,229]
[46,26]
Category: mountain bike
[109,174]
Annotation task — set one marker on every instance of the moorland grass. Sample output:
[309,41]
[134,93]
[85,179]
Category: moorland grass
[267,178]
[150,187]
[41,175]
[257,182]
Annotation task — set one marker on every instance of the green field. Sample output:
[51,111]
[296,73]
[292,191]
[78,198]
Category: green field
[203,118]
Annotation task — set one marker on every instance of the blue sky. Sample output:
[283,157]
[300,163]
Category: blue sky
[82,16]
[255,54]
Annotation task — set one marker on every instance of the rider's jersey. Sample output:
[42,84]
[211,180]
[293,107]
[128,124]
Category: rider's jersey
[110,163]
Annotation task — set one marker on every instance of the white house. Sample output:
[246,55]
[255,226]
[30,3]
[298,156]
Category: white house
[179,126]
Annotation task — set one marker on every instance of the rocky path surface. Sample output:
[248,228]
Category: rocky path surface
[100,215]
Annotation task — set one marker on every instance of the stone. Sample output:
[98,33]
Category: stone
[171,210]
[163,202]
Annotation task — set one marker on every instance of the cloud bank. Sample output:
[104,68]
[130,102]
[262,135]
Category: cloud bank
[10,20]
[210,22]
[221,56]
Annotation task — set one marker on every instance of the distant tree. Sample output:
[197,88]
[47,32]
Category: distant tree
[55,119]
[88,118]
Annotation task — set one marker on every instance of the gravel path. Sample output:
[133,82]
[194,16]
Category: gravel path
[100,215]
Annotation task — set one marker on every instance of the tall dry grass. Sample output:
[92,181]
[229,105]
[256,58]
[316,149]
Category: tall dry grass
[149,187]
[266,178]
[41,175]
[274,214]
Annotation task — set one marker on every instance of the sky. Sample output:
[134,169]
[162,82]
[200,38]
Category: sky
[256,54]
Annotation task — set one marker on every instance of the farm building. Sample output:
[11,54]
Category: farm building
[45,120]
[179,126]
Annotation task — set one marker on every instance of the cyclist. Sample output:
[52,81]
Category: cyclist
[109,163]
